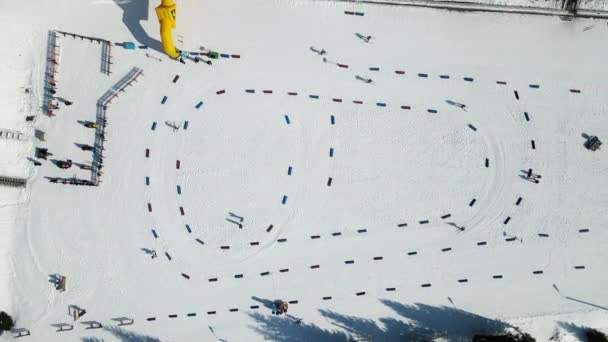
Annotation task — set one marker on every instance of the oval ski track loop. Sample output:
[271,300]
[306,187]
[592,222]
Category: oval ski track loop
[258,250]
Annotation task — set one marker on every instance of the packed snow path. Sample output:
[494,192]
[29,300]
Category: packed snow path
[284,174]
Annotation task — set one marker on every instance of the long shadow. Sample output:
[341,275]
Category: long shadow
[420,322]
[369,330]
[133,12]
[34,161]
[587,303]
[459,325]
[266,302]
[84,147]
[576,330]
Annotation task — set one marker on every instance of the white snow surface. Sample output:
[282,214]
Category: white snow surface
[389,166]
[592,5]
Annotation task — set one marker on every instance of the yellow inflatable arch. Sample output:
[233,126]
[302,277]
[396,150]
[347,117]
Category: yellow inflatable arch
[166,17]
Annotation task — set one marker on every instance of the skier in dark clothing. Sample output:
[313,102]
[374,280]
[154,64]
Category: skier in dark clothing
[198,59]
[534,178]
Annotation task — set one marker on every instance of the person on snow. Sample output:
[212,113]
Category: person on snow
[363,38]
[279,307]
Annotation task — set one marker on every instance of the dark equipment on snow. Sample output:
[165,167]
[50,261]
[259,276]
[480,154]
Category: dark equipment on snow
[6,322]
[64,164]
[42,153]
[593,143]
[61,283]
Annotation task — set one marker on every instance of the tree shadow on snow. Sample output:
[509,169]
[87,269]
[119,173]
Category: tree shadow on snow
[280,328]
[443,321]
[420,322]
[134,11]
[573,329]
[123,336]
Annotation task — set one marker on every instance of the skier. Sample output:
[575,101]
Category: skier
[457,104]
[363,38]
[65,164]
[363,79]
[198,59]
[317,51]
[534,178]
[240,218]
[67,103]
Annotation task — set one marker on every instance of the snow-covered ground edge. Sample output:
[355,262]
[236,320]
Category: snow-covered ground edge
[590,8]
[15,197]
[19,96]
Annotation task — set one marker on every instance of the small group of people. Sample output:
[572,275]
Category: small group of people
[279,307]
[95,166]
[72,181]
[55,105]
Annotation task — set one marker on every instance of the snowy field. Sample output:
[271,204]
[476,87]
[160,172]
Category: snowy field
[588,5]
[393,210]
